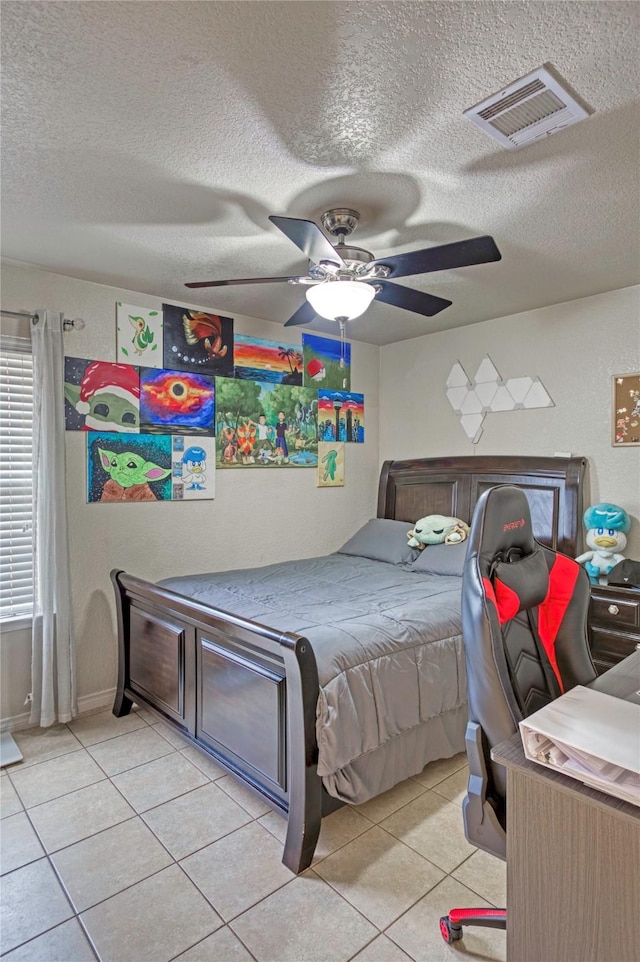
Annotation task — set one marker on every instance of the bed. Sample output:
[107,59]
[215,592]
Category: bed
[329,680]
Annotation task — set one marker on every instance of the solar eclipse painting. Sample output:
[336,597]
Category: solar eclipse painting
[176,402]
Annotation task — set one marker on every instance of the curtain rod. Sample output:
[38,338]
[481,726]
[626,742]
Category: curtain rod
[76,324]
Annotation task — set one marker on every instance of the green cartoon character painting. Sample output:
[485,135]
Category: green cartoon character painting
[143,335]
[330,462]
[129,476]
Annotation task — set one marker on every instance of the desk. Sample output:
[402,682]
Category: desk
[573,857]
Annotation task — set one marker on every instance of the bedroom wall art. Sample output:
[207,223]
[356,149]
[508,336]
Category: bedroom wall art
[258,359]
[196,341]
[340,416]
[101,396]
[327,363]
[261,424]
[489,392]
[176,402]
[152,467]
[138,335]
[626,409]
[330,464]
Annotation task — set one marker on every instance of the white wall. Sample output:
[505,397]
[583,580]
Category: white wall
[574,348]
[258,516]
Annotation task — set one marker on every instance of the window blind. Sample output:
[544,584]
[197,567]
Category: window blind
[16,434]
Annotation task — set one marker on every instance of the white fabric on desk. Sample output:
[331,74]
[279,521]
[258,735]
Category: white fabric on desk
[591,736]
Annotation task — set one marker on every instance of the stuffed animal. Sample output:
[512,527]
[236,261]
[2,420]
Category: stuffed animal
[437,529]
[606,526]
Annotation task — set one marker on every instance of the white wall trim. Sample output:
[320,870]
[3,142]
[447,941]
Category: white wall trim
[86,704]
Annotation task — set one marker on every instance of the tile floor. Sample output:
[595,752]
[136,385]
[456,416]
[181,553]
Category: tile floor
[120,841]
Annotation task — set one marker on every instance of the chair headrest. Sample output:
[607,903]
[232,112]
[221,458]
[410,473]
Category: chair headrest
[513,567]
[506,525]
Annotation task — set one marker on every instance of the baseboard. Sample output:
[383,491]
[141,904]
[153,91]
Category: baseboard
[86,704]
[99,699]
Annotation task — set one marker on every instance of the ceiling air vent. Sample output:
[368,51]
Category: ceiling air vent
[533,107]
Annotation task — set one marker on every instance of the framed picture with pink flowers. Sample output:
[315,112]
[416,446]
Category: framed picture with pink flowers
[626,409]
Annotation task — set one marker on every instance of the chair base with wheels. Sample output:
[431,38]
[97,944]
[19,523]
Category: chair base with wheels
[451,924]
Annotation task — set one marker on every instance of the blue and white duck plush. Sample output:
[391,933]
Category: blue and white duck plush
[607,525]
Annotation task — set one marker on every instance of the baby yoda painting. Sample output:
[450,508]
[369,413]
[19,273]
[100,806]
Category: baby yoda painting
[128,467]
[129,476]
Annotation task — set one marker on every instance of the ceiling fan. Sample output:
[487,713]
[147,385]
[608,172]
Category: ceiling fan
[343,280]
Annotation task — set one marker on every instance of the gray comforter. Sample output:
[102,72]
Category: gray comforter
[388,646]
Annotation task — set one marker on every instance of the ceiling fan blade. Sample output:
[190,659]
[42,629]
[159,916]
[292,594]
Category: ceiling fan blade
[243,280]
[410,300]
[475,250]
[304,315]
[309,238]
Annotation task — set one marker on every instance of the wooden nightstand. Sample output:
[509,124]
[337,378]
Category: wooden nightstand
[614,624]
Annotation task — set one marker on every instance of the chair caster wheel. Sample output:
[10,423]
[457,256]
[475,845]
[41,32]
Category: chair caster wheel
[450,933]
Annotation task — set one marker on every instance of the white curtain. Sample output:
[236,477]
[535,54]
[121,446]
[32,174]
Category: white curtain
[53,651]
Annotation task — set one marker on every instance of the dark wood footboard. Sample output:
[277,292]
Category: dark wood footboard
[243,692]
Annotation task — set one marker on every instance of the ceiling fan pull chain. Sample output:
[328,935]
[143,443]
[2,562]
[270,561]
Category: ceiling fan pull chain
[343,340]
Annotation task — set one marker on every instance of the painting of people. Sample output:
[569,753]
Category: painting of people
[257,359]
[327,363]
[340,416]
[176,402]
[262,424]
[197,341]
[101,396]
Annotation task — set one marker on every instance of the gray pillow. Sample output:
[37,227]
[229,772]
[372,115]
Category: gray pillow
[381,539]
[441,559]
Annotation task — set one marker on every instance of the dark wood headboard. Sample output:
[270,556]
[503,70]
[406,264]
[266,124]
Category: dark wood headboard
[451,486]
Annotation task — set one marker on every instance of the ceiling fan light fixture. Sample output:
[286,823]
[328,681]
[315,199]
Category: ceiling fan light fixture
[345,299]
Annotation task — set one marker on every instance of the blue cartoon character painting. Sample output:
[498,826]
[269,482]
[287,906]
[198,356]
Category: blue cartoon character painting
[193,468]
[194,463]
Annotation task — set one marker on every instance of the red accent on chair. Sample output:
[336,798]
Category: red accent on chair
[457,915]
[489,592]
[562,581]
[507,601]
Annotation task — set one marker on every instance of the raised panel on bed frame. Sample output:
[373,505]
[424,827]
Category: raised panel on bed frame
[247,694]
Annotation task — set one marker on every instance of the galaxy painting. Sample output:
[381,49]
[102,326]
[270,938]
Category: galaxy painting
[327,363]
[176,402]
[196,341]
[340,416]
[257,359]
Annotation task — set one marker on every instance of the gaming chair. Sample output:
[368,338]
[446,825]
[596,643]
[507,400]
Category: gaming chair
[524,625]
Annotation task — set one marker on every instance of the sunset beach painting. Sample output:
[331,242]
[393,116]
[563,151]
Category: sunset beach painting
[257,359]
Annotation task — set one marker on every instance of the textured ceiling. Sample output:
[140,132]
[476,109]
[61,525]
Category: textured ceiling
[145,145]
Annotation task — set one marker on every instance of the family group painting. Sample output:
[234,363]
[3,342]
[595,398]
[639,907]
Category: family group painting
[262,424]
[185,395]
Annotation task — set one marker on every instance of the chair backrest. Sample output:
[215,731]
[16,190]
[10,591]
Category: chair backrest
[524,624]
